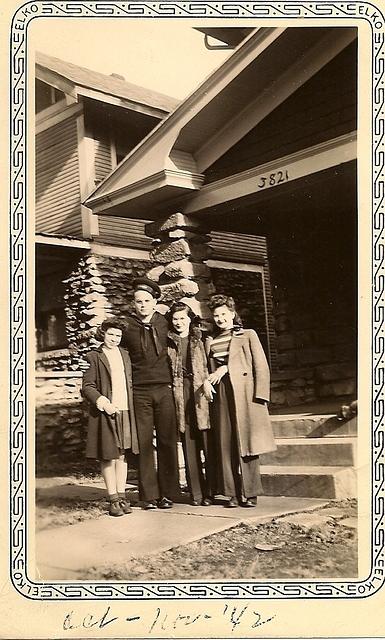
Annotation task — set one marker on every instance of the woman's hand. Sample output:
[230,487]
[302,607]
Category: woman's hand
[217,375]
[111,410]
[208,390]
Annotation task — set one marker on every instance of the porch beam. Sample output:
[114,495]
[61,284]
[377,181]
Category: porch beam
[275,173]
[283,86]
[61,112]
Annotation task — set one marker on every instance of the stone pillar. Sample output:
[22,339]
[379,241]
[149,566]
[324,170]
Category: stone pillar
[179,251]
[87,306]
[99,287]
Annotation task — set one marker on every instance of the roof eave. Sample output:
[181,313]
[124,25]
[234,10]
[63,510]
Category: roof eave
[118,101]
[152,190]
[74,89]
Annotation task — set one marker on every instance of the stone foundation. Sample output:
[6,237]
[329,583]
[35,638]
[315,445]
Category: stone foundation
[61,415]
[315,355]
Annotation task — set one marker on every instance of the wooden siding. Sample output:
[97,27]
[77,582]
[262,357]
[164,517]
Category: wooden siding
[233,247]
[103,160]
[238,247]
[324,108]
[57,180]
[125,232]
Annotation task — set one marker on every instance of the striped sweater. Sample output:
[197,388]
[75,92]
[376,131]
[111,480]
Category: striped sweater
[219,347]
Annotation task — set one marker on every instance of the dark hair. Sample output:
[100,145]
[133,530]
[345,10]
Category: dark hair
[220,300]
[182,306]
[111,323]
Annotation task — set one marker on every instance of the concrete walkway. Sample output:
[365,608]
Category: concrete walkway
[62,552]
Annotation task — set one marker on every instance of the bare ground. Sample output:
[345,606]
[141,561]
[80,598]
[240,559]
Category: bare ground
[326,551]
[274,550]
[278,549]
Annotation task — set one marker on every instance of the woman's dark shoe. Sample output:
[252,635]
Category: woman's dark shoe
[233,502]
[149,504]
[207,502]
[164,503]
[249,502]
[125,506]
[115,509]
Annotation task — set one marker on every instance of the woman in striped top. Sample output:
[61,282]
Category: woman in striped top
[241,423]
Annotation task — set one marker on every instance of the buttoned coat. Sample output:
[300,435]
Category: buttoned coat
[97,382]
[199,369]
[250,380]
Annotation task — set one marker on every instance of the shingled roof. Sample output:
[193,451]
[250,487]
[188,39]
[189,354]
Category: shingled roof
[110,85]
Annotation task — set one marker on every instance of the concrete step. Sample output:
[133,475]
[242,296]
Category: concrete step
[336,451]
[312,425]
[310,482]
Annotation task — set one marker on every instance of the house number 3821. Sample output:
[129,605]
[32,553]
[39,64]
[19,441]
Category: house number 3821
[273,179]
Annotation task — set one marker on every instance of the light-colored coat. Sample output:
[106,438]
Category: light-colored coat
[250,379]
[199,375]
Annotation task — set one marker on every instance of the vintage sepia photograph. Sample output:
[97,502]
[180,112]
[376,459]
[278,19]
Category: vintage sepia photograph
[195,306]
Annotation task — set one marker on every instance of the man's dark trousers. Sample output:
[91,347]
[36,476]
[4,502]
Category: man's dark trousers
[154,406]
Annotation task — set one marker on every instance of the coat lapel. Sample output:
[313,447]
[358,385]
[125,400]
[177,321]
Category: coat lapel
[103,359]
[127,366]
[235,346]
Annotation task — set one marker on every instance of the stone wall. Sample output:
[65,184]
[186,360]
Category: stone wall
[313,263]
[61,415]
[99,286]
[316,359]
[312,354]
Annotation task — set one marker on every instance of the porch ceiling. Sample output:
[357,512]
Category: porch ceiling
[333,189]
[52,258]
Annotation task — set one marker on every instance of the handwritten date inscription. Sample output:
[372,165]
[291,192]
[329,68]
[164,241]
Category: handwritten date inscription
[160,621]
[273,179]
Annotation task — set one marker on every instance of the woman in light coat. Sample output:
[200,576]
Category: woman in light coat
[240,375]
[192,392]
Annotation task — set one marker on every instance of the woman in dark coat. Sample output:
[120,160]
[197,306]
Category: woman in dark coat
[107,384]
[241,423]
[192,393]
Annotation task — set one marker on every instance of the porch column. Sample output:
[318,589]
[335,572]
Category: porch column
[179,251]
[87,305]
[99,287]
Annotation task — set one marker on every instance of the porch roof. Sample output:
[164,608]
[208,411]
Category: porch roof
[168,165]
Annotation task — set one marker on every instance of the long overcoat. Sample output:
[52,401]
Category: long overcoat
[250,380]
[199,369]
[97,382]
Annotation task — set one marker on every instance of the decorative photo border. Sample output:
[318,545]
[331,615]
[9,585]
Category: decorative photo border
[18,221]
